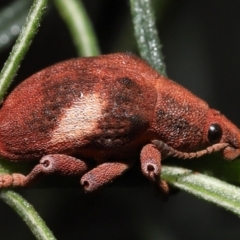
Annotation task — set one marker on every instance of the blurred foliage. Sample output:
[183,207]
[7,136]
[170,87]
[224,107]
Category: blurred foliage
[12,18]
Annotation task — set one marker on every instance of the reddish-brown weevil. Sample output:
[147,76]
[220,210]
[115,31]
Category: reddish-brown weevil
[107,110]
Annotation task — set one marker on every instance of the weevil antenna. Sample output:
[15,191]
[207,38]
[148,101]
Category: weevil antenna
[166,150]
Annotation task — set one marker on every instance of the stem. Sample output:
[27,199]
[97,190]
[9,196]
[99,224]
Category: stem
[80,26]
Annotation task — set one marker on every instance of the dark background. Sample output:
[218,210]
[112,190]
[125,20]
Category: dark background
[201,44]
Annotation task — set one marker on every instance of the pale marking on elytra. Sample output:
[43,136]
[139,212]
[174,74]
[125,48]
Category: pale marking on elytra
[80,120]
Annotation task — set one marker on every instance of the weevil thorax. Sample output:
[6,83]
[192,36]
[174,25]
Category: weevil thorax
[219,130]
[179,117]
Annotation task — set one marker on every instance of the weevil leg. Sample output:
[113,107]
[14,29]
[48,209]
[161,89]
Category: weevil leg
[150,159]
[49,164]
[103,174]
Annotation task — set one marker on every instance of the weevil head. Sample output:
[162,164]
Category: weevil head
[219,129]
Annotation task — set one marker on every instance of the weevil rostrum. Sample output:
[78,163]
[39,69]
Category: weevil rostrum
[106,110]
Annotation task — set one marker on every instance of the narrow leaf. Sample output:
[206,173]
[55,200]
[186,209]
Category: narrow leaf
[22,44]
[21,206]
[28,214]
[146,34]
[205,187]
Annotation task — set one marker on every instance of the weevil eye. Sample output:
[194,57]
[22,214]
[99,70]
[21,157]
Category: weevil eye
[214,133]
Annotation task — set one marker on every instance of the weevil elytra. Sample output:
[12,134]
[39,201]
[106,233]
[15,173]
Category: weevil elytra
[107,110]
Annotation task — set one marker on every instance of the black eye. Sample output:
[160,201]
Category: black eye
[214,133]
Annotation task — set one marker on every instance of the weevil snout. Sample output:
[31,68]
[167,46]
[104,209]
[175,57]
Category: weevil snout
[231,136]
[231,153]
[222,131]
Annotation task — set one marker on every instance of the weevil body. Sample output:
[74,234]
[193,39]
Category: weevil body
[106,110]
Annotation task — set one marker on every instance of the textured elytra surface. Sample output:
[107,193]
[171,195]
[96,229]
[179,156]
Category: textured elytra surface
[78,103]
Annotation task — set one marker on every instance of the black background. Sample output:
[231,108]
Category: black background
[201,44]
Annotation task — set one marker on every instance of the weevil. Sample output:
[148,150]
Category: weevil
[90,117]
